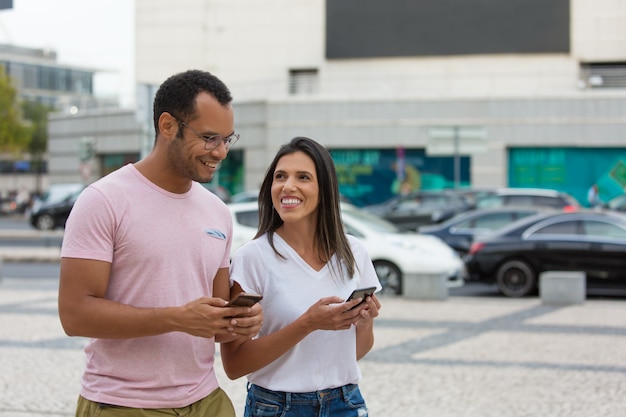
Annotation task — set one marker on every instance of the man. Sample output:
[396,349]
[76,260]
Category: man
[144,268]
[593,196]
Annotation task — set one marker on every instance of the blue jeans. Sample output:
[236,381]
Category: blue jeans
[344,401]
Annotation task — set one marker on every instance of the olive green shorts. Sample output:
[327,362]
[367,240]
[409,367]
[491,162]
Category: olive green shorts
[216,404]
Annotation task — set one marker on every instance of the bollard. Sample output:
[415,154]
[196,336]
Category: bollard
[562,287]
[426,286]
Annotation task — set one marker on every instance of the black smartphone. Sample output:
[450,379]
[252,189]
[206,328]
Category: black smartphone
[361,293]
[244,299]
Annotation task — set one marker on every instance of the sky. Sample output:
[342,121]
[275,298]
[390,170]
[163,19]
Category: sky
[96,34]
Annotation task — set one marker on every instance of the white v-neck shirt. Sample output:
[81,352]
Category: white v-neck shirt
[325,358]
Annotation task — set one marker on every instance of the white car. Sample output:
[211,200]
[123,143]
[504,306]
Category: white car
[393,252]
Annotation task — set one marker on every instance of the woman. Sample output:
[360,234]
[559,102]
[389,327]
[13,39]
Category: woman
[304,362]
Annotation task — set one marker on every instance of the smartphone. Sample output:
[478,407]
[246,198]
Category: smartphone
[361,293]
[244,299]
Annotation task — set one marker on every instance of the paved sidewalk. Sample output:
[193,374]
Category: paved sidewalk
[466,356]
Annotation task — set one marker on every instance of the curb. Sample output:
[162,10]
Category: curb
[35,254]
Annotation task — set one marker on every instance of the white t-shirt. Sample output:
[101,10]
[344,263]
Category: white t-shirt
[324,358]
[165,250]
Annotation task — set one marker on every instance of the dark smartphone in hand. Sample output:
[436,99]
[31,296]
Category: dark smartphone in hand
[244,299]
[361,293]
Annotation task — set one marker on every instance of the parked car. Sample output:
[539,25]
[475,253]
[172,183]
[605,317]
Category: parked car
[617,203]
[419,208]
[534,197]
[460,231]
[395,254]
[52,208]
[588,241]
[245,196]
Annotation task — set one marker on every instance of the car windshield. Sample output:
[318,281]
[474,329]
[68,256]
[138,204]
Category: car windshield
[372,221]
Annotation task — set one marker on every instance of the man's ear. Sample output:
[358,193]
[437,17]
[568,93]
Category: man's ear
[168,125]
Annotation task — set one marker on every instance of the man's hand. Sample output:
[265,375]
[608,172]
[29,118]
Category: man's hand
[207,317]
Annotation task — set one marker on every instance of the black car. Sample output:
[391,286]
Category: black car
[51,210]
[419,208]
[513,257]
[459,231]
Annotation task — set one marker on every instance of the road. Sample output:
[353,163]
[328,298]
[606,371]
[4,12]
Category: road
[481,356]
[477,354]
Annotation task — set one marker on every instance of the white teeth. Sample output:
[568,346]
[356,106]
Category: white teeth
[290,201]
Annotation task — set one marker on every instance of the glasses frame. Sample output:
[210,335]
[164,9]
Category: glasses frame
[212,141]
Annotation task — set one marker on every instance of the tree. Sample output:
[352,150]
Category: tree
[14,135]
[37,114]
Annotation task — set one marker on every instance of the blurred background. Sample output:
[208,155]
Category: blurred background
[424,95]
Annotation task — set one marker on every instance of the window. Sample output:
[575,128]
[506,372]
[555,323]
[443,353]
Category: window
[560,228]
[602,229]
[603,75]
[303,81]
[248,218]
[493,221]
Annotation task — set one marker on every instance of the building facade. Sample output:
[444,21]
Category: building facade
[457,93]
[38,76]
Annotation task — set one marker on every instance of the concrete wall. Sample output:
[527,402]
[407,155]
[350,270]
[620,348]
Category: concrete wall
[253,45]
[112,132]
[519,99]
[556,122]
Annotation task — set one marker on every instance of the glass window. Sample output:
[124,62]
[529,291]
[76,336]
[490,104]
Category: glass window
[602,229]
[548,201]
[493,221]
[248,218]
[490,201]
[520,200]
[303,81]
[559,228]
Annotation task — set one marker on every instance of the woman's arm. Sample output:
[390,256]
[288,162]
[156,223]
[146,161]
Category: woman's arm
[365,326]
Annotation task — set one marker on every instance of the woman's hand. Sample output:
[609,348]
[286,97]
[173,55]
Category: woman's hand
[331,313]
[368,310]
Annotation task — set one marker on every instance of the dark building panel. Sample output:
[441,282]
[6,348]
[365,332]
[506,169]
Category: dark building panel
[394,28]
[6,4]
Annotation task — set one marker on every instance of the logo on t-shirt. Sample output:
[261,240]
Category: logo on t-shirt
[215,233]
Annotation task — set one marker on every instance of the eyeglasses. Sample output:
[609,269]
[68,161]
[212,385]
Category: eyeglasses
[211,141]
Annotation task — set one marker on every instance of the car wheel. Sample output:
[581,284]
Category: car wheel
[390,277]
[45,222]
[516,278]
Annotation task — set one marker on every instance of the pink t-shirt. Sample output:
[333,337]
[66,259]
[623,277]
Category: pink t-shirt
[165,250]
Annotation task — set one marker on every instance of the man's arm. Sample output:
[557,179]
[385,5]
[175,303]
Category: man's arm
[84,310]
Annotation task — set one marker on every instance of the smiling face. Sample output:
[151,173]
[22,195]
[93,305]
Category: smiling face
[186,153]
[295,188]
